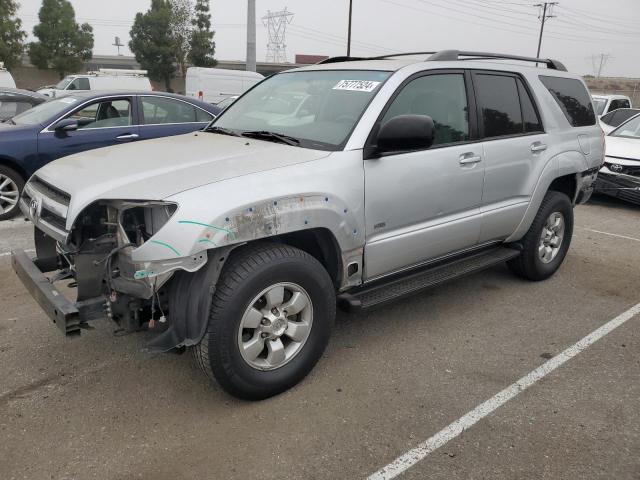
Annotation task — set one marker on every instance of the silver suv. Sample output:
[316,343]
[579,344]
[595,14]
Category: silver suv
[352,182]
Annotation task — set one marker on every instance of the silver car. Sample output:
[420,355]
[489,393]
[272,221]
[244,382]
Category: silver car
[392,175]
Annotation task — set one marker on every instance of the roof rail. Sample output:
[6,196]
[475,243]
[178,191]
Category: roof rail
[452,55]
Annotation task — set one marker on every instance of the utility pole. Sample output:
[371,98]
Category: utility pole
[546,12]
[598,63]
[349,32]
[251,36]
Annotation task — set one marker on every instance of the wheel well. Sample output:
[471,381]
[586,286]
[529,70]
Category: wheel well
[7,162]
[320,244]
[566,184]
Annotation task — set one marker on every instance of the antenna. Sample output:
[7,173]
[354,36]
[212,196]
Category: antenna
[118,43]
[276,23]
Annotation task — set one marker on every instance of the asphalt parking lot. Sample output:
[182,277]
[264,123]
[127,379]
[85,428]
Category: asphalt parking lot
[100,407]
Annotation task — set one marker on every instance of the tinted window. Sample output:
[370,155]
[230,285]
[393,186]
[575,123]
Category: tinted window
[108,113]
[573,99]
[615,104]
[167,110]
[529,114]
[443,98]
[499,104]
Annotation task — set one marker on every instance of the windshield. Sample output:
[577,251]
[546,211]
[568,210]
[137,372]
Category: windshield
[317,108]
[62,84]
[599,104]
[42,113]
[631,129]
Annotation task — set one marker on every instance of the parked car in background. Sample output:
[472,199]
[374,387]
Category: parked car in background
[14,101]
[604,104]
[615,118]
[226,102]
[620,175]
[397,174]
[104,79]
[215,84]
[84,121]
[6,79]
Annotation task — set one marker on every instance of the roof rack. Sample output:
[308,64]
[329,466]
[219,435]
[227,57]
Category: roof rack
[454,55]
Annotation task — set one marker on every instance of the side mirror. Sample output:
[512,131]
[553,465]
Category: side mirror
[405,133]
[66,125]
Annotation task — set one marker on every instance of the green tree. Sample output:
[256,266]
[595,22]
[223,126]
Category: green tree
[63,44]
[152,42]
[11,34]
[202,45]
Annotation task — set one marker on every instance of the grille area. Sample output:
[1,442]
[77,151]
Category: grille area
[49,191]
[52,219]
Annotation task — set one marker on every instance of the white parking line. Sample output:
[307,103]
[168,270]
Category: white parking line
[610,234]
[451,431]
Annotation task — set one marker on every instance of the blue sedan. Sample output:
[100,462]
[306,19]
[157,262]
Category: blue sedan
[85,121]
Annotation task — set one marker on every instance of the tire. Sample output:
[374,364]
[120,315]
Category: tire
[11,184]
[224,352]
[539,258]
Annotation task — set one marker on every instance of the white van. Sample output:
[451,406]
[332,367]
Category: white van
[213,85]
[6,80]
[103,79]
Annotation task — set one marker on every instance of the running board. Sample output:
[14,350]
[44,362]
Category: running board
[383,291]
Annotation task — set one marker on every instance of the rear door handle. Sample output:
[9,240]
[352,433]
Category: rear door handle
[127,136]
[538,147]
[469,158]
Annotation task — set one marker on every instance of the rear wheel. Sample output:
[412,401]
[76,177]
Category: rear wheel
[270,320]
[11,184]
[546,243]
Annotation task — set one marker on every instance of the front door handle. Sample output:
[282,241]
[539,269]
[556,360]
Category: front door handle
[469,158]
[538,147]
[127,136]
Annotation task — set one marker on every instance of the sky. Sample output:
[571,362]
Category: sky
[579,33]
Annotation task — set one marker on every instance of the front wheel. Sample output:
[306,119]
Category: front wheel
[270,320]
[546,243]
[11,185]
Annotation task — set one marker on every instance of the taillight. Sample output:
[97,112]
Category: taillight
[200,95]
[604,145]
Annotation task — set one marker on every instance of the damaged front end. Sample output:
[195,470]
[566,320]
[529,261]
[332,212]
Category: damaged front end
[94,257]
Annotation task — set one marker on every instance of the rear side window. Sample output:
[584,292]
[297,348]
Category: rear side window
[499,103]
[157,110]
[530,116]
[573,99]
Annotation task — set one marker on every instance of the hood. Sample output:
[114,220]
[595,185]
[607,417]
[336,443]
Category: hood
[623,147]
[156,169]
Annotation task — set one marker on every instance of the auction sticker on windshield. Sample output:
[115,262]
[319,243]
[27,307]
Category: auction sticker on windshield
[356,85]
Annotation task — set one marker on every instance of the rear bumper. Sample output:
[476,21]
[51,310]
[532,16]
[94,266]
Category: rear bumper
[586,182]
[70,317]
[619,186]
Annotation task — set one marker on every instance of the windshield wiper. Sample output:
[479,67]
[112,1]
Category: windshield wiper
[266,135]
[222,131]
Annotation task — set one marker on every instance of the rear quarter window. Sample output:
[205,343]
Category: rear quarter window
[572,97]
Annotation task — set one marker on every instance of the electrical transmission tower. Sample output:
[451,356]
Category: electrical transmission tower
[599,62]
[546,12]
[276,23]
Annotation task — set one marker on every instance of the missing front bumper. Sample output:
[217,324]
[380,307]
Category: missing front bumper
[69,316]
